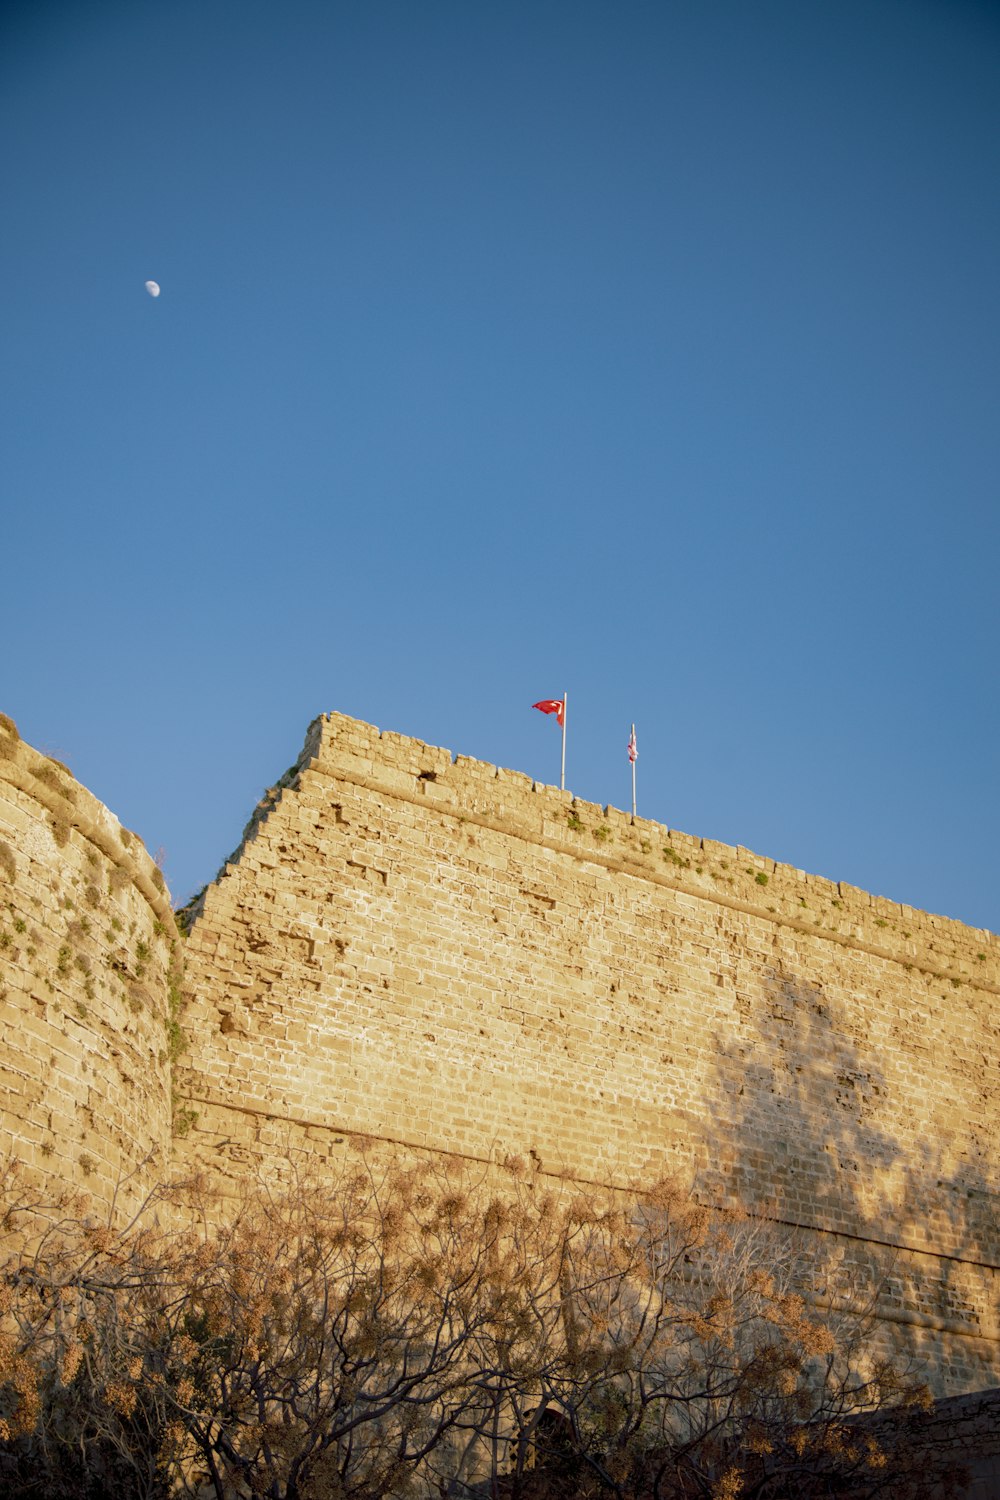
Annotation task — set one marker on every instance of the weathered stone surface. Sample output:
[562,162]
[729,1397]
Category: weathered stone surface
[86,932]
[448,956]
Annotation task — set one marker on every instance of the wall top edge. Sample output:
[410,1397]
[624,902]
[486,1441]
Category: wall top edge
[54,787]
[732,873]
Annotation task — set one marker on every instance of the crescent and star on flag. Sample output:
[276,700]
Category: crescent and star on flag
[552,706]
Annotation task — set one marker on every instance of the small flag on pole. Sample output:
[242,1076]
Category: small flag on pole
[633,755]
[557,706]
[552,706]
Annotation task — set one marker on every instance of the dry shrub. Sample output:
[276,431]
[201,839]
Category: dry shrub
[408,1328]
[60,829]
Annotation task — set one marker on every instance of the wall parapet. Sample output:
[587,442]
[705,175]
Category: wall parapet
[71,806]
[730,876]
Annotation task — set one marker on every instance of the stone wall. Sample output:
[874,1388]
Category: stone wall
[86,933]
[446,955]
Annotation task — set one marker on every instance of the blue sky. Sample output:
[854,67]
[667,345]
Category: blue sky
[649,352]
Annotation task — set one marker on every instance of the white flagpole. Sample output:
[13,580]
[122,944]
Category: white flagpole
[632,759]
[562,773]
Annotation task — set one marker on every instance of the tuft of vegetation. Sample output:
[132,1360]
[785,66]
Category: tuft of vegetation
[176,1038]
[60,829]
[184,915]
[8,864]
[670,854]
[602,834]
[761,878]
[49,776]
[183,1118]
[573,822]
[9,738]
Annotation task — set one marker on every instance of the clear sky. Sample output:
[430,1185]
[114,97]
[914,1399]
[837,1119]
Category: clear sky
[647,351]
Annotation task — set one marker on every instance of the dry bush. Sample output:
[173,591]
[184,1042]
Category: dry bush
[400,1329]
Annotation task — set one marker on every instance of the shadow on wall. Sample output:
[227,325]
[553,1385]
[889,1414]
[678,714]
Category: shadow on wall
[813,1131]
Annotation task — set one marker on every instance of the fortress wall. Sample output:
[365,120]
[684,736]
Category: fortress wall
[86,933]
[443,954]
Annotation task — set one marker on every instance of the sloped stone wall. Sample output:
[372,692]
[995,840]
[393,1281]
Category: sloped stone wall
[86,933]
[445,955]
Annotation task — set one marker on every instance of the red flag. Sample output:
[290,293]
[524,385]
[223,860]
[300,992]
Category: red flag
[552,706]
[633,753]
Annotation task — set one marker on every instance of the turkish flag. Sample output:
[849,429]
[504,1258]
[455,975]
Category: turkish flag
[552,706]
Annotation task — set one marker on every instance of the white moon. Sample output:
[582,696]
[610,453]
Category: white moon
[153,288]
